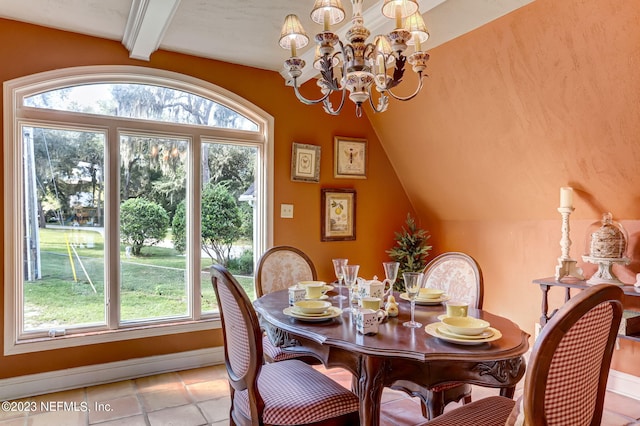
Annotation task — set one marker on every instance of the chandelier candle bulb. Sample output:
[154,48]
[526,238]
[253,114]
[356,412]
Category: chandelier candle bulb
[566,197]
[398,16]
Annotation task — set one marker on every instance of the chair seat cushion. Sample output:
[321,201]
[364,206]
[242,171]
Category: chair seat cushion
[294,393]
[491,411]
[275,353]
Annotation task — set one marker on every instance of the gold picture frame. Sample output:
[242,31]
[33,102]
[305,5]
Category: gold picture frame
[338,214]
[349,158]
[305,163]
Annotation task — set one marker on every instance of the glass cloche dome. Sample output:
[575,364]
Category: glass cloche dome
[606,239]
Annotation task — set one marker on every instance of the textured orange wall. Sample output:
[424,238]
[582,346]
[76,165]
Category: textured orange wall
[381,202]
[546,96]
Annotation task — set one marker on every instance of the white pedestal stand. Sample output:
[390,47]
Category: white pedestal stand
[605,274]
[566,267]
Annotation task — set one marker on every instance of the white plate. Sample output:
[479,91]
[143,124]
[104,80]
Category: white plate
[435,301]
[484,335]
[332,312]
[433,330]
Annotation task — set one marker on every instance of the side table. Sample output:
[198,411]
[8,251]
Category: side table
[568,283]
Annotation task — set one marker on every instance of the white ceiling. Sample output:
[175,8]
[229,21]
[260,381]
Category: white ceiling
[238,31]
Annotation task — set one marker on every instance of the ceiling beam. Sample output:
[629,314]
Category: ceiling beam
[148,21]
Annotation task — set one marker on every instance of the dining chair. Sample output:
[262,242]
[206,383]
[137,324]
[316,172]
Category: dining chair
[460,276]
[566,379]
[279,268]
[281,393]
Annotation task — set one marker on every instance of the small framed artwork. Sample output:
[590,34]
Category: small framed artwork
[338,215]
[305,163]
[349,158]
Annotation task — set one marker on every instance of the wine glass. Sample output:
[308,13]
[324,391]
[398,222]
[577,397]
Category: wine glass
[350,276]
[412,283]
[391,273]
[337,267]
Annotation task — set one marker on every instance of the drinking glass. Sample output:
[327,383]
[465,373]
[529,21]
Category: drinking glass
[391,273]
[412,283]
[338,264]
[350,276]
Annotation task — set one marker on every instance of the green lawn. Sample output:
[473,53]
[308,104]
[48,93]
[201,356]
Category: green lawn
[152,285]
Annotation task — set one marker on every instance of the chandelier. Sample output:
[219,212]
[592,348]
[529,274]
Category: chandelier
[355,65]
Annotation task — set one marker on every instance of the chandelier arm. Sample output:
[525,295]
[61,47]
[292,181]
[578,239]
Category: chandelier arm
[305,100]
[328,107]
[383,101]
[375,109]
[413,95]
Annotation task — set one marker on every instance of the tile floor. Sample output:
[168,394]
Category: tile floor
[201,397]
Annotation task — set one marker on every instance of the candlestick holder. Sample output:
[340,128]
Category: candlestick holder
[567,267]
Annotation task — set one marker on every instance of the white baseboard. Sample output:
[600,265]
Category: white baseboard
[55,381]
[624,384]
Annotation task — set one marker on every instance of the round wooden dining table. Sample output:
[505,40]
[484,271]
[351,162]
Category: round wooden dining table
[398,353]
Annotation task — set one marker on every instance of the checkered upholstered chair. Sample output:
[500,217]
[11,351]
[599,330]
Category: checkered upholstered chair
[460,276]
[281,393]
[279,268]
[566,380]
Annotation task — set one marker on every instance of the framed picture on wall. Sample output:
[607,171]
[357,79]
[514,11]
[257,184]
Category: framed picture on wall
[349,158]
[305,163]
[338,214]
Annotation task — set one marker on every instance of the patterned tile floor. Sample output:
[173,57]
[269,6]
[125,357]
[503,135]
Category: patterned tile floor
[201,397]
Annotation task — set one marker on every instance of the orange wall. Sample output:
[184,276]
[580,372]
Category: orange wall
[381,202]
[544,97]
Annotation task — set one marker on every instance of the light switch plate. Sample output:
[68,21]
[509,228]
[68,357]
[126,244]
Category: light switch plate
[286,211]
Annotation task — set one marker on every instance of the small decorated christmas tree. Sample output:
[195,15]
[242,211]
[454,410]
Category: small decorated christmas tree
[411,250]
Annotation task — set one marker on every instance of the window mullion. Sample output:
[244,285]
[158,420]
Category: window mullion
[112,229]
[193,224]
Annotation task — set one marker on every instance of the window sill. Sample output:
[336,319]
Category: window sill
[91,338]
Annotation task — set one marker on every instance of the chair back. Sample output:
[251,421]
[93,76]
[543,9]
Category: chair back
[459,275]
[242,337]
[567,376]
[281,267]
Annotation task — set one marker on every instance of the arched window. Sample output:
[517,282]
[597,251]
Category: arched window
[122,186]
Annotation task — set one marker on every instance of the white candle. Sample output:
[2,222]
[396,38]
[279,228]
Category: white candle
[566,197]
[326,19]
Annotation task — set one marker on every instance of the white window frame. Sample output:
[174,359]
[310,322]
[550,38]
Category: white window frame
[16,115]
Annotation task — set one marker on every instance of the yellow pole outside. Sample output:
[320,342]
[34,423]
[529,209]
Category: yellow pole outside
[73,266]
